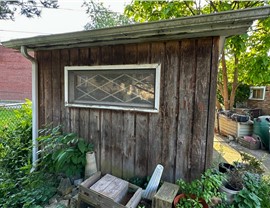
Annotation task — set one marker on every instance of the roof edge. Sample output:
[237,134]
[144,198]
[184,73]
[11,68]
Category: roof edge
[179,28]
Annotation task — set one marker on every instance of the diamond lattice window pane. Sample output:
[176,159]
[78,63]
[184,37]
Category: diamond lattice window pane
[128,87]
[115,87]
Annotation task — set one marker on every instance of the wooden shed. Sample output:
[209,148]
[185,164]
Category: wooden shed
[144,94]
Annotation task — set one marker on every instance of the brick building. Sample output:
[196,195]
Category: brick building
[15,76]
[262,101]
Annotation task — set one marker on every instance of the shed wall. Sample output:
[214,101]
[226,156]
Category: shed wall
[180,136]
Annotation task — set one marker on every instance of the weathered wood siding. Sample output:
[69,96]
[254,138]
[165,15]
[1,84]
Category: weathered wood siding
[180,136]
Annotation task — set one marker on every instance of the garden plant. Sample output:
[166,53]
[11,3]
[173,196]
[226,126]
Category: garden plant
[21,187]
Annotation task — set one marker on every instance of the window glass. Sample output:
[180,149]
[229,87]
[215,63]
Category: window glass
[122,86]
[257,93]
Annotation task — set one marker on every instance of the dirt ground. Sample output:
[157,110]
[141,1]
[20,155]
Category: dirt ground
[227,150]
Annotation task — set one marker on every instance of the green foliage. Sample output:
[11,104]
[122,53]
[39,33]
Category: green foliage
[264,191]
[257,56]
[6,117]
[101,17]
[144,11]
[26,190]
[242,93]
[63,153]
[140,181]
[246,56]
[256,189]
[248,196]
[204,188]
[19,187]
[188,202]
[26,8]
[252,164]
[15,144]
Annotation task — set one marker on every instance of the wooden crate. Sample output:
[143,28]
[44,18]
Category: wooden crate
[237,129]
[108,191]
[165,195]
[250,145]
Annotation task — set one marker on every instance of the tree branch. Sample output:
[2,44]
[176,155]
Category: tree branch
[190,9]
[213,5]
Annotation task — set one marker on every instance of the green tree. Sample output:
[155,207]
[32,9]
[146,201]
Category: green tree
[30,8]
[244,58]
[101,17]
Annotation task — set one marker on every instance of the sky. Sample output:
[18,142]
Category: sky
[69,17]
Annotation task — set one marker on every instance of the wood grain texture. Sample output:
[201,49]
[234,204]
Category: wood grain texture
[56,87]
[157,51]
[106,122]
[201,104]
[165,195]
[64,56]
[41,91]
[170,105]
[47,75]
[130,143]
[212,98]
[186,100]
[74,112]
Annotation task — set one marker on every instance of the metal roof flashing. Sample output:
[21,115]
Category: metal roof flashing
[218,24]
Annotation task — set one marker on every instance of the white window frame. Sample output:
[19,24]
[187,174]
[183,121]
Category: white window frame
[157,68]
[257,88]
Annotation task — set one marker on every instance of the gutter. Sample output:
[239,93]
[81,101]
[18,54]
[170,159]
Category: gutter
[24,52]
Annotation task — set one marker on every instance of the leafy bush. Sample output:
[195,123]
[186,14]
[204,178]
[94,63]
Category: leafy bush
[204,188]
[264,191]
[19,187]
[63,153]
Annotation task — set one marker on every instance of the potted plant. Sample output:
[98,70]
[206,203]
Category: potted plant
[232,185]
[235,182]
[199,193]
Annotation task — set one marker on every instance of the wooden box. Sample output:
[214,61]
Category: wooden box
[109,191]
[249,144]
[165,195]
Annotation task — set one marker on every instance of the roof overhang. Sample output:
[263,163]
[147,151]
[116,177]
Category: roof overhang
[219,24]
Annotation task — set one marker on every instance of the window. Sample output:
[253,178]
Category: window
[257,93]
[123,87]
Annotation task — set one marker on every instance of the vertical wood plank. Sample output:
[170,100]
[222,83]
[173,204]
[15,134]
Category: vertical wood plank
[65,118]
[106,122]
[84,121]
[84,113]
[95,118]
[41,90]
[128,145]
[170,91]
[117,143]
[74,112]
[47,69]
[94,134]
[201,104]
[56,87]
[117,122]
[212,106]
[129,122]
[186,101]
[141,133]
[106,143]
[141,136]
[155,119]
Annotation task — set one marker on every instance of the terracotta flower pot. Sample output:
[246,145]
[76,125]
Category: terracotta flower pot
[181,196]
